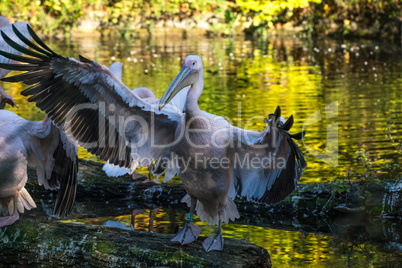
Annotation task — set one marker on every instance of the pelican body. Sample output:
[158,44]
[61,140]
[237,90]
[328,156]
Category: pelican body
[216,160]
[43,146]
[211,188]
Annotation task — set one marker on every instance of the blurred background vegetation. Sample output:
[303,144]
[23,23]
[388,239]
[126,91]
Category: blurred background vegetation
[363,18]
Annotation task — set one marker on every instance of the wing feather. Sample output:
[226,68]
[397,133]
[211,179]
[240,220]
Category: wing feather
[4,46]
[281,162]
[94,106]
[64,172]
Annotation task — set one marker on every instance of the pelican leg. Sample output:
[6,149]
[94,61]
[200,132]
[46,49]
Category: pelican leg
[190,232]
[215,242]
[5,221]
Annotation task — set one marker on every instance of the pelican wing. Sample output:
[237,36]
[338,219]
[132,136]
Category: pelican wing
[176,105]
[268,165]
[47,149]
[96,108]
[64,173]
[55,159]
[7,29]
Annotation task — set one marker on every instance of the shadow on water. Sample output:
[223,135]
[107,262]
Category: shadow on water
[359,80]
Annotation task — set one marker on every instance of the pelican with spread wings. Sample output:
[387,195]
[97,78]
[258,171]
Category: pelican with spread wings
[216,161]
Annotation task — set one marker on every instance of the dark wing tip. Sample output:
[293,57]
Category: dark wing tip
[3,34]
[289,123]
[83,59]
[298,136]
[277,114]
[39,41]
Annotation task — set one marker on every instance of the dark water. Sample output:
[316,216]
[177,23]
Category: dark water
[345,93]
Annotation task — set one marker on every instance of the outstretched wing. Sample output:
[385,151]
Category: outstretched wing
[268,165]
[96,108]
[177,104]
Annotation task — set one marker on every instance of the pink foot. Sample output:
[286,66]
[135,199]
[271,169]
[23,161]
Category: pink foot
[5,221]
[136,176]
[151,181]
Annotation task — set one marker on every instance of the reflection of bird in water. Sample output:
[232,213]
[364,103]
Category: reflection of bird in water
[152,215]
[263,167]
[38,144]
[5,26]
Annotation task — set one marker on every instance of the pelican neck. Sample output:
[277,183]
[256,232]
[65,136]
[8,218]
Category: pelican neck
[194,94]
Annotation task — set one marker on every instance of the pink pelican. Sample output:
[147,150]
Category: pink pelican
[37,144]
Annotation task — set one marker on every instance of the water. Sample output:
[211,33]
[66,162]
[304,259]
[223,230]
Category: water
[286,248]
[343,92]
[353,86]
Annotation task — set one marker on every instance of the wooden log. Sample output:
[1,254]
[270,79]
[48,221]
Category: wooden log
[33,244]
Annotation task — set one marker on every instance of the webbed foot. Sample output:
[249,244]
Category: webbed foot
[136,176]
[5,221]
[189,233]
[213,243]
[151,181]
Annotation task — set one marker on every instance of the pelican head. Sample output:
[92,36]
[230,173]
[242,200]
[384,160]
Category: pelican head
[188,75]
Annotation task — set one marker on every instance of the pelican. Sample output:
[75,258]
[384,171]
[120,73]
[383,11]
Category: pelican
[216,161]
[5,26]
[38,144]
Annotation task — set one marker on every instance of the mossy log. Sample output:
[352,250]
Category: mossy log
[372,208]
[31,244]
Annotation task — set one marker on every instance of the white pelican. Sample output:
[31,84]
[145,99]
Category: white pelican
[38,144]
[216,160]
[5,26]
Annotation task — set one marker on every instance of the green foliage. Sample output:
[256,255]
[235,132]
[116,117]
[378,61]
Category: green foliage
[60,16]
[265,13]
[370,173]
[362,157]
[50,16]
[389,133]
[342,184]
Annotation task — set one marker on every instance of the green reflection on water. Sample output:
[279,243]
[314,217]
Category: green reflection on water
[362,79]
